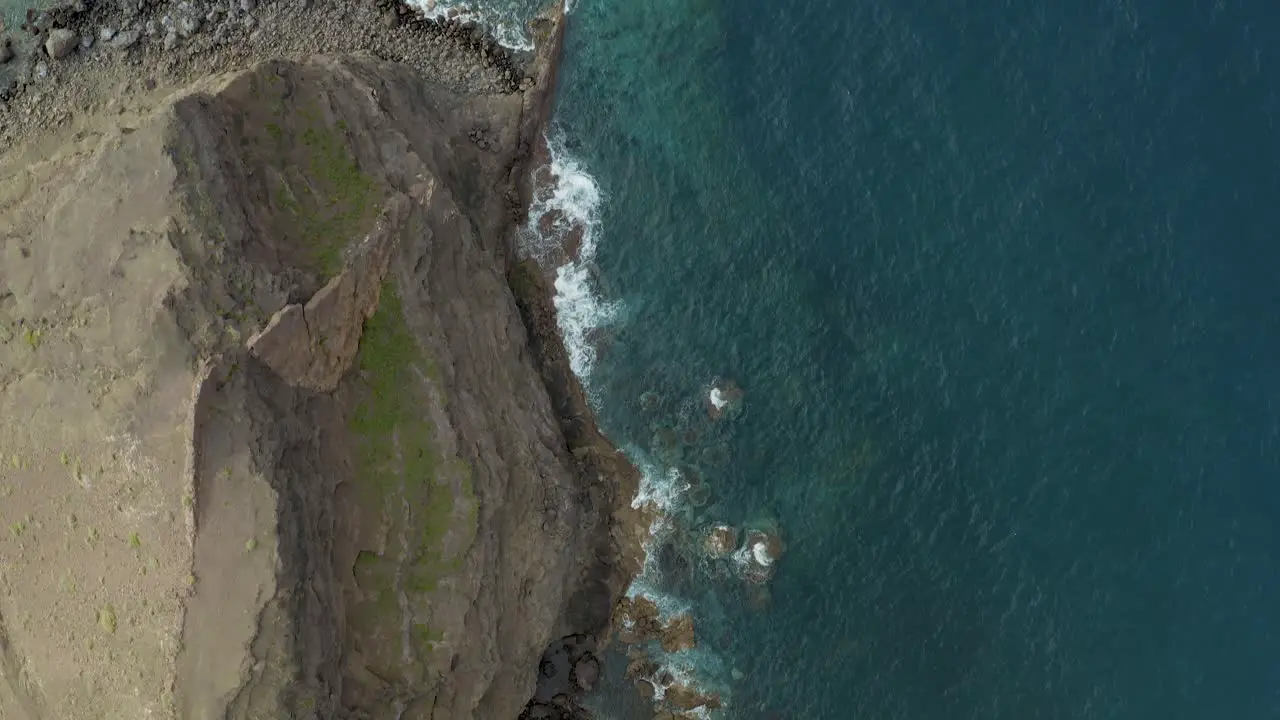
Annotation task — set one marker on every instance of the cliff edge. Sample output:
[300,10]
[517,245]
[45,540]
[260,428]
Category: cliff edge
[289,432]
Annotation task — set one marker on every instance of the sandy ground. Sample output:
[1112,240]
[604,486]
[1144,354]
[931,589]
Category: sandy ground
[95,394]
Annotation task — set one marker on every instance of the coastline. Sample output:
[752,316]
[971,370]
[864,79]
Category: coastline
[612,481]
[52,97]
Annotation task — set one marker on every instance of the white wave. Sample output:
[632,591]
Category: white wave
[695,668]
[661,487]
[718,399]
[669,606]
[505,24]
[572,199]
[580,311]
[568,204]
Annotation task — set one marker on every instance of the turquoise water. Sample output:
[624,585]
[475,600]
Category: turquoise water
[999,281]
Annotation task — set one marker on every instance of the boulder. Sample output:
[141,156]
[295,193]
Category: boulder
[724,399]
[720,541]
[677,635]
[60,43]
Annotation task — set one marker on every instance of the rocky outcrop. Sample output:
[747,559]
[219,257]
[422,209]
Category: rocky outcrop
[312,345]
[316,445]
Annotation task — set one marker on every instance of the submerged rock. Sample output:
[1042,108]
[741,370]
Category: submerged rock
[683,697]
[677,635]
[639,621]
[720,541]
[761,550]
[724,399]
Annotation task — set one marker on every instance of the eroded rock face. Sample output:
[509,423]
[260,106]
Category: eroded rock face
[370,485]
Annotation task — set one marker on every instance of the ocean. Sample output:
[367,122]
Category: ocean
[1000,285]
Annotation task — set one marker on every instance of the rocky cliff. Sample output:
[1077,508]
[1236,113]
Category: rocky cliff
[288,431]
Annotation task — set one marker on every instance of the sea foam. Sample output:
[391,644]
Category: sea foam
[573,198]
[504,20]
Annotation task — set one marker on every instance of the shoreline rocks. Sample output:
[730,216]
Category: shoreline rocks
[113,44]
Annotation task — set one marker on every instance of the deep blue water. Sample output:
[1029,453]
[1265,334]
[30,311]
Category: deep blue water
[1001,282]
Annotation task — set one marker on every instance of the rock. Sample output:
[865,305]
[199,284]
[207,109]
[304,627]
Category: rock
[41,70]
[724,399]
[650,401]
[188,25]
[684,697]
[6,50]
[586,672]
[761,551]
[639,664]
[248,6]
[106,34]
[312,346]
[720,541]
[126,39]
[86,43]
[60,43]
[677,635]
[637,619]
[170,40]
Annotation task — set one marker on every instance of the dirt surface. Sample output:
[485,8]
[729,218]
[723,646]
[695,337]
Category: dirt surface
[288,431]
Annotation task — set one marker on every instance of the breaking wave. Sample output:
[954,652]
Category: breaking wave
[504,20]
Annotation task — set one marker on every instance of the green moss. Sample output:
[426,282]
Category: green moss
[32,336]
[402,479]
[397,456]
[424,638]
[326,200]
